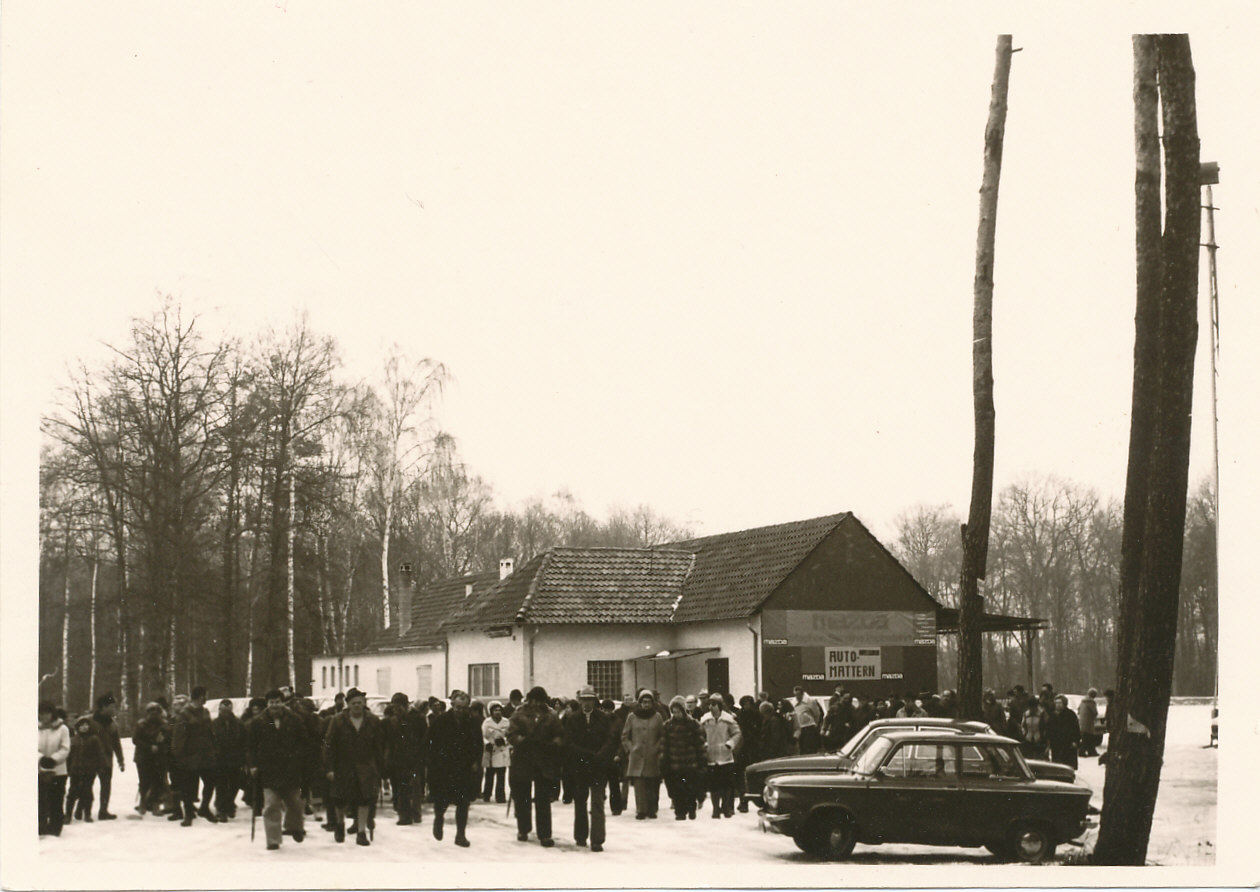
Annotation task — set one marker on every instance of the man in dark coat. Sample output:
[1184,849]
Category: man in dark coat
[589,748]
[1063,733]
[537,739]
[192,755]
[229,758]
[616,721]
[87,755]
[354,756]
[402,755]
[749,720]
[275,743]
[454,755]
[106,709]
[149,738]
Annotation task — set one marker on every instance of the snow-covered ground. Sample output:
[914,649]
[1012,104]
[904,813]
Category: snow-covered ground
[145,852]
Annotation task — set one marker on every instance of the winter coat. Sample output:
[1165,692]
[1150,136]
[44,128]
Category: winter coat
[454,755]
[192,740]
[776,737]
[229,742]
[836,729]
[641,742]
[87,752]
[274,745]
[109,736]
[589,745]
[405,734]
[1063,733]
[722,738]
[537,739]
[494,736]
[1033,727]
[994,716]
[749,720]
[54,742]
[1087,715]
[682,747]
[356,756]
[807,712]
[150,740]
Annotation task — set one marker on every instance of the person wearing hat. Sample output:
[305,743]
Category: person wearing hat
[402,756]
[498,754]
[722,739]
[106,709]
[150,740]
[454,751]
[54,750]
[192,756]
[589,747]
[682,759]
[229,758]
[354,749]
[641,746]
[274,744]
[87,753]
[536,737]
[1087,716]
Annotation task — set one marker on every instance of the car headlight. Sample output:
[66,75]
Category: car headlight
[771,795]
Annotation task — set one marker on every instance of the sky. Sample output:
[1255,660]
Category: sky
[716,259]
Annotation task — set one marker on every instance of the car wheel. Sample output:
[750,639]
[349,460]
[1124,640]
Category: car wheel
[1031,843]
[830,836]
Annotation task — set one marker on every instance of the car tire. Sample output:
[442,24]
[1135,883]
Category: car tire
[830,836]
[1031,843]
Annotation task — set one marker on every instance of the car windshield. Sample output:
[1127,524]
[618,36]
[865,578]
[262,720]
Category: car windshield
[851,747]
[873,755]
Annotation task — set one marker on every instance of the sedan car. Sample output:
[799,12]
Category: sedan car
[756,774]
[929,788]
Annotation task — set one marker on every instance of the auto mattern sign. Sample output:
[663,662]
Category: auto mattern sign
[851,663]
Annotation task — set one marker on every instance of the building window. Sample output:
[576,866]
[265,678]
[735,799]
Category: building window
[383,680]
[483,679]
[324,675]
[356,675]
[605,677]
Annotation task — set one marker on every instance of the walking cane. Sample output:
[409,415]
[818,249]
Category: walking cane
[254,796]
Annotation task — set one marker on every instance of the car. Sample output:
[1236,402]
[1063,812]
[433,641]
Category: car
[375,703]
[756,774]
[929,788]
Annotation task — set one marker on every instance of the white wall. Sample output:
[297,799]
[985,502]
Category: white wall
[477,647]
[401,667]
[735,643]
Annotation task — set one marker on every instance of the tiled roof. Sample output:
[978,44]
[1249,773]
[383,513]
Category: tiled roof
[735,572]
[429,607]
[714,577]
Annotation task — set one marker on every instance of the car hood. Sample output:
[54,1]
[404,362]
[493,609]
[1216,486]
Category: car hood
[1045,770]
[815,762]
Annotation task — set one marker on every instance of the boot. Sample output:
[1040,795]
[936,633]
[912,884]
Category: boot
[438,821]
[188,820]
[361,839]
[339,831]
[461,840]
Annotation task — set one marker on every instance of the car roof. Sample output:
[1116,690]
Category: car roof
[937,737]
[928,720]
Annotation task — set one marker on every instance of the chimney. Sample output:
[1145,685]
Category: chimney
[505,568]
[406,589]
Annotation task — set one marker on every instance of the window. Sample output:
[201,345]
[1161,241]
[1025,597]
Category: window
[383,680]
[483,679]
[424,681]
[356,675]
[324,676]
[605,677]
[922,760]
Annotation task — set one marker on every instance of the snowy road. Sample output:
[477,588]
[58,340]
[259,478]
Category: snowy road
[1184,834]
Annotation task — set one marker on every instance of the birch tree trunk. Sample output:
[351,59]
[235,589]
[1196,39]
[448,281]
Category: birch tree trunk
[65,631]
[388,525]
[1159,441]
[92,630]
[289,611]
[975,533]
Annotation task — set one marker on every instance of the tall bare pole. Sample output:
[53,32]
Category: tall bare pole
[975,532]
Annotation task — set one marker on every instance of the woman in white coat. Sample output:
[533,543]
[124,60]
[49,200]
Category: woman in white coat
[54,749]
[498,754]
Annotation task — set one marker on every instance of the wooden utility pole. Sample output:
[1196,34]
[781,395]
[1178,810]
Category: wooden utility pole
[1159,440]
[975,532]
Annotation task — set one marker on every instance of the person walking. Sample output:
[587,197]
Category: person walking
[640,743]
[536,738]
[498,754]
[87,753]
[809,718]
[54,750]
[454,750]
[722,739]
[776,733]
[992,713]
[275,741]
[618,783]
[150,741]
[229,758]
[353,760]
[1087,716]
[1033,730]
[589,747]
[192,756]
[749,720]
[106,710]
[400,757]
[1063,733]
[683,759]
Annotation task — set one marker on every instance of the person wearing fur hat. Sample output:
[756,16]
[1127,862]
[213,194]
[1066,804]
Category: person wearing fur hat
[150,740]
[87,753]
[536,737]
[682,759]
[354,749]
[589,747]
[54,750]
[722,739]
[640,743]
[275,741]
[454,754]
[498,754]
[106,709]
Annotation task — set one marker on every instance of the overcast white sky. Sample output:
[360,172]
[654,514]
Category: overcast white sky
[714,258]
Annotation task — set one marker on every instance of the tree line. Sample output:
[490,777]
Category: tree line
[1054,554]
[215,512]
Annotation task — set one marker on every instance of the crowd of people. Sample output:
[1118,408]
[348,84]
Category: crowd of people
[284,759]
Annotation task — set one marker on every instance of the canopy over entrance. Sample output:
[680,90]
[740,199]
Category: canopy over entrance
[947,622]
[674,654]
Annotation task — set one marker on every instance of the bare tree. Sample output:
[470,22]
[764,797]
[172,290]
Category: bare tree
[1159,439]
